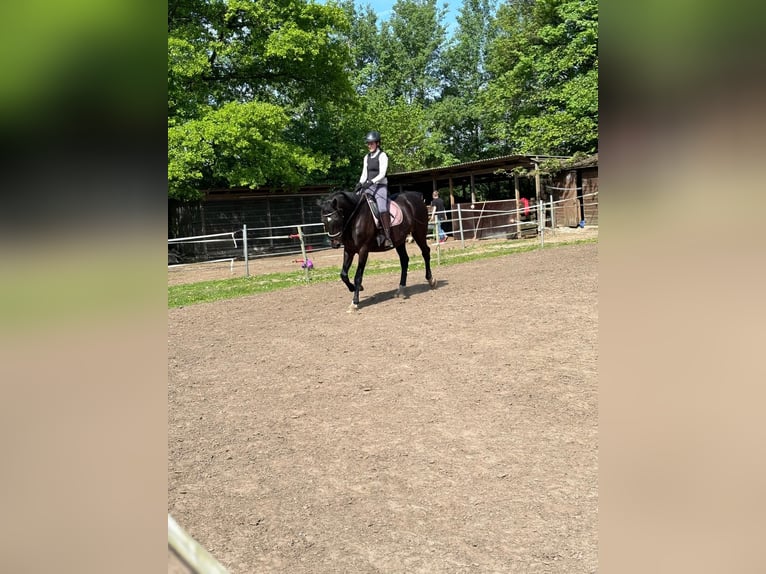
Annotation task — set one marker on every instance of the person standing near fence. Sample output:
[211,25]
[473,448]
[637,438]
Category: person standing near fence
[438,215]
[374,182]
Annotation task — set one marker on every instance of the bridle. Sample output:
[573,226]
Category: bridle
[327,216]
[348,219]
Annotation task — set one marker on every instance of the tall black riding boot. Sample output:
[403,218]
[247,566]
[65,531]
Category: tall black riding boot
[385,220]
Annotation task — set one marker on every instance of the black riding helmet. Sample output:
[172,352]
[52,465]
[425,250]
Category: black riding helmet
[373,136]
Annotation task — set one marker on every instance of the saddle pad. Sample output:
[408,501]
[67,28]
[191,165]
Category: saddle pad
[393,209]
[396,213]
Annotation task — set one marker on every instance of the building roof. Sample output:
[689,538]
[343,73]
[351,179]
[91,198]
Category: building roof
[477,167]
[590,161]
[417,178]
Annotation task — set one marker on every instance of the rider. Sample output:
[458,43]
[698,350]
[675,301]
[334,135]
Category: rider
[374,183]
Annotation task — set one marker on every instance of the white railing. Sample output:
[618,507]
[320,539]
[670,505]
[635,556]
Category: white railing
[465,223]
[191,552]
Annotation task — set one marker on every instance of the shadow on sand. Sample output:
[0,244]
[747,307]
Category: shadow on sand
[409,291]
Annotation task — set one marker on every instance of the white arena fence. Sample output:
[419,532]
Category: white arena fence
[490,221]
[190,555]
[464,223]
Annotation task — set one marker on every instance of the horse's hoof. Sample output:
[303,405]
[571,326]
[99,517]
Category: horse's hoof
[400,292]
[352,308]
[432,282]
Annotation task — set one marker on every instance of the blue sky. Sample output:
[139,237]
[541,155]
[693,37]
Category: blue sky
[383,9]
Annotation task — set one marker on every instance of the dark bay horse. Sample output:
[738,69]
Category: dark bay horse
[348,221]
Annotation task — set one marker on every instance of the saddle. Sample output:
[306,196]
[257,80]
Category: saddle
[393,209]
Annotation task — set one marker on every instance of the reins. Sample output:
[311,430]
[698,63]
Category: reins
[351,215]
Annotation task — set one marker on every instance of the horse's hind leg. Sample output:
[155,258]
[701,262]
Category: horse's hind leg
[404,262]
[421,238]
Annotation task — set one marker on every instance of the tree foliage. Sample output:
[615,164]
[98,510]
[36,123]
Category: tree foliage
[364,40]
[412,41]
[253,88]
[281,92]
[465,77]
[410,136]
[397,80]
[543,96]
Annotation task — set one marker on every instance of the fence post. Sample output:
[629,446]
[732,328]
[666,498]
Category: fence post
[303,252]
[244,248]
[553,218]
[478,221]
[518,210]
[460,221]
[541,222]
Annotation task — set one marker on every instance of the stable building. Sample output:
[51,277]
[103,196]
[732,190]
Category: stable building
[511,182]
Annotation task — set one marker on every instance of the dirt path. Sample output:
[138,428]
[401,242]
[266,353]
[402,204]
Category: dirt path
[452,431]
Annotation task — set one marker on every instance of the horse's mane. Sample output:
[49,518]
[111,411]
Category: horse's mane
[350,196]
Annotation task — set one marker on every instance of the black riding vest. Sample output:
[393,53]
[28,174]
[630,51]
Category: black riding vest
[373,166]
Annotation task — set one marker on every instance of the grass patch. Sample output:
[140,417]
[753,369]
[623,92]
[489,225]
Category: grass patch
[209,291]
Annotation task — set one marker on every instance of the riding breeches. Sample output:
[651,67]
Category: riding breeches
[379,192]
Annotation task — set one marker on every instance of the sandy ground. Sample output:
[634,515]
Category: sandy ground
[451,431]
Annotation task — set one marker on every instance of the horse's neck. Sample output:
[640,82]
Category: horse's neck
[348,205]
[360,220]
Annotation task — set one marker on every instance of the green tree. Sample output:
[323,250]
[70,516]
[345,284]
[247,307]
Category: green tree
[409,134]
[365,42]
[543,96]
[411,44]
[399,81]
[465,77]
[253,92]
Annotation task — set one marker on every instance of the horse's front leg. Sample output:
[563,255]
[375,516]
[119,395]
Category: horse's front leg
[360,265]
[404,262]
[348,257]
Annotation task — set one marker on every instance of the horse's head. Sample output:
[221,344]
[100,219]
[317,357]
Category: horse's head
[334,209]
